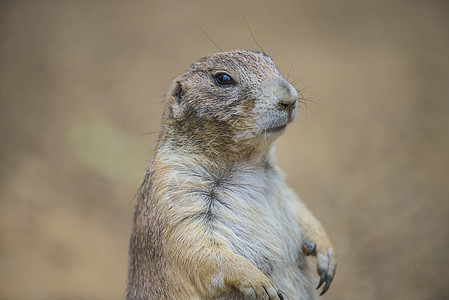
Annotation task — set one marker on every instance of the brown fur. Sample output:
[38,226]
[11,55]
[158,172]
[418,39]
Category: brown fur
[204,192]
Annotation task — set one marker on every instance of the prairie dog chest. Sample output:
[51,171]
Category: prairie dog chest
[250,209]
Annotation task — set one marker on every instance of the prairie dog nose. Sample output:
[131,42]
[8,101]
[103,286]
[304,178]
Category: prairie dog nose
[287,96]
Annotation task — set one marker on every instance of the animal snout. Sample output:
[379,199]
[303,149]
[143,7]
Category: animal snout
[287,104]
[288,96]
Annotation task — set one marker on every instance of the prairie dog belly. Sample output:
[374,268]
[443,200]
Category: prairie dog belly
[251,212]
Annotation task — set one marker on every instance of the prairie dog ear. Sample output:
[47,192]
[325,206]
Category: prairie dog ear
[174,99]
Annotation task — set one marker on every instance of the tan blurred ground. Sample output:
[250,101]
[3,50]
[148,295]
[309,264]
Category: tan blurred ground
[81,85]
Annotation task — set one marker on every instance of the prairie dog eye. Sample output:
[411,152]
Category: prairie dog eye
[223,79]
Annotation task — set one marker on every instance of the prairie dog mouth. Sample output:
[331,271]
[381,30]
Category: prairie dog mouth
[276,129]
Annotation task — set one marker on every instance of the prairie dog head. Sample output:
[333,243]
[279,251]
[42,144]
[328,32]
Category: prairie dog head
[236,96]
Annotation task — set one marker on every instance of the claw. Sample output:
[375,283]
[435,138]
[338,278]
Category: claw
[280,295]
[322,279]
[327,285]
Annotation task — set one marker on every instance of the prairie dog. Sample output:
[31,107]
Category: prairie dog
[214,218]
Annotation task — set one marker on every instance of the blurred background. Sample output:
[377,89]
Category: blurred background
[81,89]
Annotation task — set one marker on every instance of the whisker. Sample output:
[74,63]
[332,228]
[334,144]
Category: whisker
[298,80]
[308,108]
[306,87]
[210,39]
[291,66]
[314,102]
[150,133]
[250,31]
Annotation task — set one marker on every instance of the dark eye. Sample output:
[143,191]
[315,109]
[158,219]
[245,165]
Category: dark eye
[223,79]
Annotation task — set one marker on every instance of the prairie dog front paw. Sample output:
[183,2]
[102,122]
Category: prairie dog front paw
[326,260]
[250,281]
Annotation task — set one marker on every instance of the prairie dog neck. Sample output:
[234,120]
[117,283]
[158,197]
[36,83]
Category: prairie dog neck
[216,162]
[213,160]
